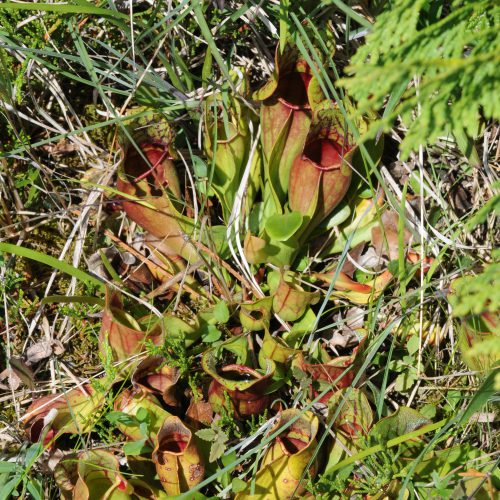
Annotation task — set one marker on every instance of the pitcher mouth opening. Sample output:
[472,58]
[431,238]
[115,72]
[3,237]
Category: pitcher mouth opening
[226,136]
[138,169]
[176,444]
[293,444]
[324,153]
[292,90]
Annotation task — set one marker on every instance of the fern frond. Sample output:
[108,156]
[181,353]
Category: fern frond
[455,60]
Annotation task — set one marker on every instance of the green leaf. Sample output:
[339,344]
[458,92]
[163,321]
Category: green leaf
[200,167]
[413,344]
[221,312]
[476,294]
[34,451]
[229,458]
[217,240]
[144,428]
[428,411]
[404,381]
[238,346]
[481,397]
[389,444]
[454,57]
[78,299]
[142,414]
[393,267]
[453,399]
[211,334]
[206,71]
[118,417]
[64,8]
[209,39]
[351,13]
[304,325]
[217,449]
[137,447]
[339,215]
[8,489]
[403,421]
[283,227]
[238,485]
[180,329]
[207,434]
[35,488]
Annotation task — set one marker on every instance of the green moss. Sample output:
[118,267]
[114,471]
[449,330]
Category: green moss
[102,136]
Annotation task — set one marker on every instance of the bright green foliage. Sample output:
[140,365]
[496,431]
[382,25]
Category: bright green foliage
[217,437]
[454,57]
[476,294]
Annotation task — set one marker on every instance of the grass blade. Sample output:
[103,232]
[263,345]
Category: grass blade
[81,8]
[60,265]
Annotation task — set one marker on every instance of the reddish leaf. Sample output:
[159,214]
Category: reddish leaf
[319,179]
[99,477]
[125,336]
[66,475]
[355,417]
[285,115]
[153,375]
[199,414]
[290,300]
[68,413]
[244,385]
[155,185]
[358,293]
[330,372]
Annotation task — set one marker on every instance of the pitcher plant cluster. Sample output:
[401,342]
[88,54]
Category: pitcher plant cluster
[250,251]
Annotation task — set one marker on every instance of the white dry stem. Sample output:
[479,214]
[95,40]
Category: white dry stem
[84,147]
[257,11]
[29,119]
[234,218]
[359,266]
[426,187]
[143,75]
[422,261]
